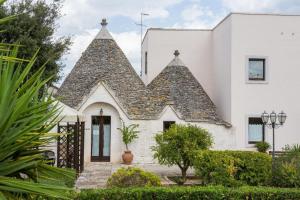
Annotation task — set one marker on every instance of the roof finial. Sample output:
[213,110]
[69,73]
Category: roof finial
[103,23]
[176,53]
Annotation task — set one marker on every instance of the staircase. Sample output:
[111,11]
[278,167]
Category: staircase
[94,175]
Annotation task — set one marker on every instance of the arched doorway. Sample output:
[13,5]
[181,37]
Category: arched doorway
[102,139]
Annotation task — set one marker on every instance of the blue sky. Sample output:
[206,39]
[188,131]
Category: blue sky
[81,19]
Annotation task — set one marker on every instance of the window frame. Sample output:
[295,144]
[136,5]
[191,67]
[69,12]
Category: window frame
[170,124]
[266,70]
[146,62]
[247,127]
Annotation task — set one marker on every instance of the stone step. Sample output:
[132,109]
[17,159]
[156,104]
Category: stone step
[102,180]
[90,186]
[92,182]
[95,170]
[94,175]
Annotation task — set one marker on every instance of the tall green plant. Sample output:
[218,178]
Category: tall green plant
[26,119]
[129,133]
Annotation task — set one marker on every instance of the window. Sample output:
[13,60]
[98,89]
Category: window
[167,124]
[146,62]
[257,69]
[256,130]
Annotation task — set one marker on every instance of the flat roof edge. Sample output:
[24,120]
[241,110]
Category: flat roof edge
[219,23]
[179,29]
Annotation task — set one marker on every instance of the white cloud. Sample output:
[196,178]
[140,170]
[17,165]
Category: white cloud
[83,14]
[197,16]
[265,6]
[192,12]
[201,23]
[247,5]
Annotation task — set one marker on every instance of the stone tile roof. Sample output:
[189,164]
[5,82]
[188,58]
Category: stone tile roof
[177,86]
[104,61]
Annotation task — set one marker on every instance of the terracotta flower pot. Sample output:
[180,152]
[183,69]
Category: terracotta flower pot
[127,157]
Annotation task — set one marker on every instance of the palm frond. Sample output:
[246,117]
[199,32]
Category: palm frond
[26,119]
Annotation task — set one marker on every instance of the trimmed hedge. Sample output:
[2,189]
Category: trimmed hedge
[233,168]
[191,193]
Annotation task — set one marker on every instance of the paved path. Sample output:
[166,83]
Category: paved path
[95,174]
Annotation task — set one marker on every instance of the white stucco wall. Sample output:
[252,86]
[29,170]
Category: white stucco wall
[143,75]
[223,137]
[195,51]
[221,45]
[277,38]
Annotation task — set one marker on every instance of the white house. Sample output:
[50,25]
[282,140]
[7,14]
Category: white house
[247,63]
[220,79]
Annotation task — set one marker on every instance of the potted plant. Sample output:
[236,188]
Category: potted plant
[129,133]
[262,146]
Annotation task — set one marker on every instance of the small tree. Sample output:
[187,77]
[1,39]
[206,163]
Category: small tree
[178,145]
[129,133]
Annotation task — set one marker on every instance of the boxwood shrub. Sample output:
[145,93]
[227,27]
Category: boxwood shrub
[132,176]
[190,193]
[233,168]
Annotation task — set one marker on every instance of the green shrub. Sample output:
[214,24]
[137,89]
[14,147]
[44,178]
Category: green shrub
[191,193]
[132,176]
[233,168]
[216,167]
[177,146]
[287,168]
[262,146]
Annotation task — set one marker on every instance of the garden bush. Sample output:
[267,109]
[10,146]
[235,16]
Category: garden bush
[191,193]
[287,168]
[233,168]
[132,176]
[262,146]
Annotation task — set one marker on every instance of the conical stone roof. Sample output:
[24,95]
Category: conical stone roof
[104,61]
[176,85]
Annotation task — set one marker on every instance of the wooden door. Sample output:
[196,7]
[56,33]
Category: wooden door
[101,134]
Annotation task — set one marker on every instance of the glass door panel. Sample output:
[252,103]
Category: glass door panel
[95,140]
[106,145]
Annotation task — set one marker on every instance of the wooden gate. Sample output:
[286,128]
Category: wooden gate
[70,145]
